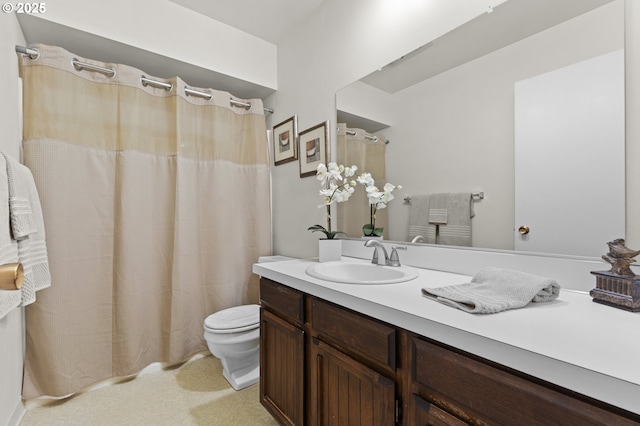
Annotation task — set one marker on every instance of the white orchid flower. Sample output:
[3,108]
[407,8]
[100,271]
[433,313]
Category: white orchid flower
[342,196]
[388,187]
[335,171]
[350,171]
[321,173]
[366,179]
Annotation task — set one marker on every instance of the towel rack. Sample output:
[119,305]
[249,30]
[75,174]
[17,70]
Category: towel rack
[476,196]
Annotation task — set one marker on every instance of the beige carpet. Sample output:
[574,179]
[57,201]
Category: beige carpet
[193,394]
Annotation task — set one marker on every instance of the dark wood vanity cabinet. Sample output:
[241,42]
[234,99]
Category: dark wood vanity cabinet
[450,387]
[323,364]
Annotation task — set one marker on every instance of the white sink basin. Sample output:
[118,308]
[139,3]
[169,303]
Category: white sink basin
[360,273]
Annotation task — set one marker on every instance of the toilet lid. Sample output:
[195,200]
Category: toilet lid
[236,317]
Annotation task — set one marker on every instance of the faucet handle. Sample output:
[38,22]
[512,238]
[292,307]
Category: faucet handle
[394,259]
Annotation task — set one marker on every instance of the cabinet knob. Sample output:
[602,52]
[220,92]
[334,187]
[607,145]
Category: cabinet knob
[523,230]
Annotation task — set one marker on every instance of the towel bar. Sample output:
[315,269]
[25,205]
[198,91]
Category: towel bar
[11,276]
[475,196]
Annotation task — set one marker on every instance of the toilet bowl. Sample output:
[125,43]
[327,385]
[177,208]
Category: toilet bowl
[233,336]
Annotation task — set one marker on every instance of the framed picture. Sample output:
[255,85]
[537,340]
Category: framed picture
[285,141]
[313,148]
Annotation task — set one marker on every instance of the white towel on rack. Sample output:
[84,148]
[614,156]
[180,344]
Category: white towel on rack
[419,220]
[22,219]
[27,223]
[9,299]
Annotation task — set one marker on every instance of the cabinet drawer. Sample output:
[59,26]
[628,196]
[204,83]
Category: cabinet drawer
[355,333]
[428,414]
[476,389]
[284,300]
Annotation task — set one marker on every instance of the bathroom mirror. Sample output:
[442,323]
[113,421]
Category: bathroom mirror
[463,109]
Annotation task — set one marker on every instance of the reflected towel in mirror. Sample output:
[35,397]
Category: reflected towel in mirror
[419,220]
[438,208]
[457,230]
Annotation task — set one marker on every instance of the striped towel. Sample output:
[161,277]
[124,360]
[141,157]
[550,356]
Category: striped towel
[419,220]
[27,227]
[457,230]
[438,213]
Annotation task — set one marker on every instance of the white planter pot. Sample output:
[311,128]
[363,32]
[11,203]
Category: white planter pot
[329,250]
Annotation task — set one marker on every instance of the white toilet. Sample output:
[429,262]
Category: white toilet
[233,336]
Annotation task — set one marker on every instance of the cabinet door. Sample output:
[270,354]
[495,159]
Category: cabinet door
[345,392]
[426,414]
[282,369]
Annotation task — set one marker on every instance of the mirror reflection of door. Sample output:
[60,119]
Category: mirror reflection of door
[569,158]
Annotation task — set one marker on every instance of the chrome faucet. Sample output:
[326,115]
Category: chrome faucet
[377,245]
[418,239]
[394,260]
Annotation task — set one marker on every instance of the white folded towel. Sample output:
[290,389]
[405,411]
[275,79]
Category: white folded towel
[27,227]
[494,290]
[9,299]
[22,219]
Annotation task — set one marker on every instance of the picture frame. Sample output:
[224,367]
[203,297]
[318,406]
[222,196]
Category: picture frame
[285,141]
[313,147]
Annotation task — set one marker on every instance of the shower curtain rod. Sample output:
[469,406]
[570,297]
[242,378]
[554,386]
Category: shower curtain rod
[34,54]
[366,136]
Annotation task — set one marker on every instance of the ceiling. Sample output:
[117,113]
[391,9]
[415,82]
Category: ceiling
[268,20]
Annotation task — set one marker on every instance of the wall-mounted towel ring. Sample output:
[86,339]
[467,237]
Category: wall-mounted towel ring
[11,276]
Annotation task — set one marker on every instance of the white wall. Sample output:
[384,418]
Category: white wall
[341,43]
[11,326]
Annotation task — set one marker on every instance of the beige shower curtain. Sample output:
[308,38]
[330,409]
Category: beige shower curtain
[155,204]
[370,157]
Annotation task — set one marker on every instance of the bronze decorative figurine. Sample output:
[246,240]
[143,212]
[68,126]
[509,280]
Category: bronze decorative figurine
[618,287]
[620,257]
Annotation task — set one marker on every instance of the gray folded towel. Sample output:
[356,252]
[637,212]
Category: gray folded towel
[438,209]
[456,231]
[494,290]
[419,220]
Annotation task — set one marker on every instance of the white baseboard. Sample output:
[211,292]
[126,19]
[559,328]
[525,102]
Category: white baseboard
[17,415]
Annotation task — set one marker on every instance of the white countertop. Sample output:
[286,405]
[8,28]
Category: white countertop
[577,344]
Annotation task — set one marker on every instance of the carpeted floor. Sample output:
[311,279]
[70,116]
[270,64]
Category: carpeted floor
[193,394]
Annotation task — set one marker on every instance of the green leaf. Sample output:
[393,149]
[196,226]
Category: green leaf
[332,235]
[367,230]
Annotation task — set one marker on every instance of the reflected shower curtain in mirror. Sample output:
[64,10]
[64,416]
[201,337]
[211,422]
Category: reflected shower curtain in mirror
[370,157]
[156,204]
